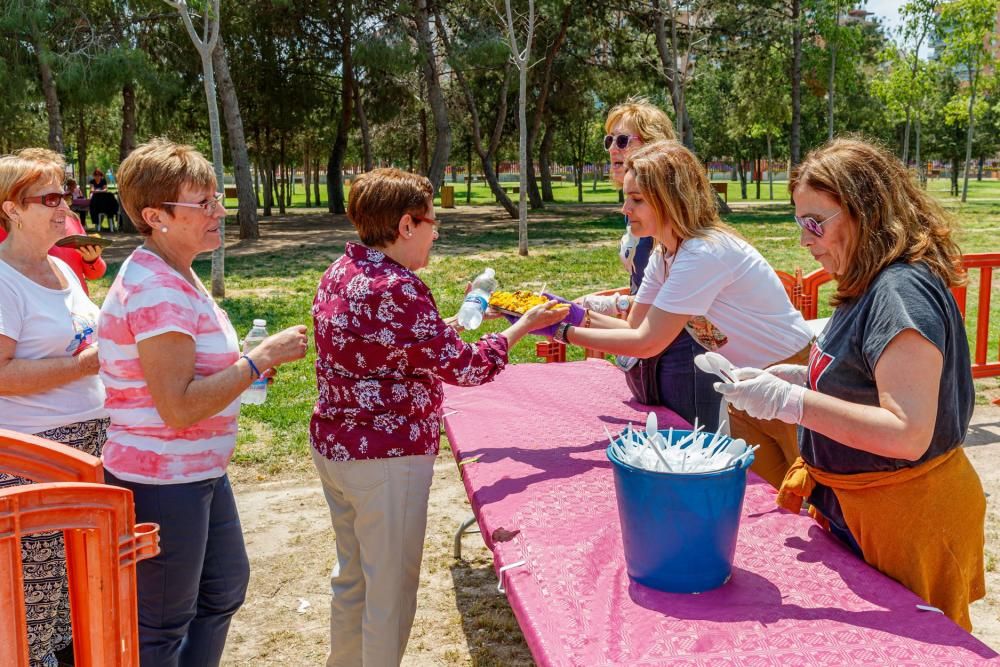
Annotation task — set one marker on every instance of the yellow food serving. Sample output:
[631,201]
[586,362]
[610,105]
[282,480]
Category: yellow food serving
[516,302]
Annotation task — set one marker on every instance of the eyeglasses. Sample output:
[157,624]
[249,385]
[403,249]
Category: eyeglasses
[420,218]
[814,226]
[208,207]
[50,199]
[621,140]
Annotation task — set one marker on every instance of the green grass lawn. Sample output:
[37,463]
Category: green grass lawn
[572,255]
[565,192]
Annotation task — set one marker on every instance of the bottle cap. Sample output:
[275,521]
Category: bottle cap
[260,323]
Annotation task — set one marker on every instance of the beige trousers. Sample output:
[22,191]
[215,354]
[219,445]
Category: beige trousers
[379,513]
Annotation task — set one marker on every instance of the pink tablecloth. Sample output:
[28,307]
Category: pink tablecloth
[542,490]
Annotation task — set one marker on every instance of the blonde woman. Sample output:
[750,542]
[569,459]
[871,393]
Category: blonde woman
[629,126]
[887,396]
[700,270]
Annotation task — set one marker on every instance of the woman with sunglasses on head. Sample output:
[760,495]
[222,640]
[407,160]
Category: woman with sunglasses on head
[700,270]
[171,362]
[887,396]
[382,355]
[48,366]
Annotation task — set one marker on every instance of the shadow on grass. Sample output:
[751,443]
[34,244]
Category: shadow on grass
[491,630]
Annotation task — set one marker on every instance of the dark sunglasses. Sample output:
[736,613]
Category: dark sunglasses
[814,226]
[50,199]
[621,141]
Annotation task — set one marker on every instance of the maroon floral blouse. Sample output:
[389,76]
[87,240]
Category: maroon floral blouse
[382,354]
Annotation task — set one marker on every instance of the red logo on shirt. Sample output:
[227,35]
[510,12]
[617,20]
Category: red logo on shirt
[819,361]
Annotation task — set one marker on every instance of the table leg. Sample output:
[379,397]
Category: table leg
[462,529]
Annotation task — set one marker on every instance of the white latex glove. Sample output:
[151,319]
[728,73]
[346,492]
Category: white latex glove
[765,396]
[793,373]
[626,249]
[605,304]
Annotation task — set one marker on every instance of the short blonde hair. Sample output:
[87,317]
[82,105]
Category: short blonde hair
[648,120]
[379,198]
[24,169]
[155,172]
[675,184]
[895,219]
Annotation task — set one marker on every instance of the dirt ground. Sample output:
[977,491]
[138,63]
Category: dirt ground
[461,618]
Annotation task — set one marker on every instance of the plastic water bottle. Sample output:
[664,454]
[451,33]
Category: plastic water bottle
[256,393]
[470,315]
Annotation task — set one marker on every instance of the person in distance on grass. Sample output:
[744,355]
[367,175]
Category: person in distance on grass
[706,283]
[48,367]
[171,362]
[382,354]
[886,398]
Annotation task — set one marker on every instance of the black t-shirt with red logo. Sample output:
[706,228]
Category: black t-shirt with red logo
[842,364]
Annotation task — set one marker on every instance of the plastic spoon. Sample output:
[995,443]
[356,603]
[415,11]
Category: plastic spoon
[716,364]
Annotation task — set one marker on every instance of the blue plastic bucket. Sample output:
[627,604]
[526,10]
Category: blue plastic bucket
[679,530]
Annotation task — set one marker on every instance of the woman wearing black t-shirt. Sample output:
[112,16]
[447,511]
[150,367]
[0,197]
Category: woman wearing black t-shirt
[887,397]
[97,183]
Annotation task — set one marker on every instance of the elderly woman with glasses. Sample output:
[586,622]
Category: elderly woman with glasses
[48,365]
[172,366]
[886,399]
[383,354]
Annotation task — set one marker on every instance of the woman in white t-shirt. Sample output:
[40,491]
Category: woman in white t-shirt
[48,366]
[703,279]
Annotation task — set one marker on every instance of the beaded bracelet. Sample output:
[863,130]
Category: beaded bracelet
[253,366]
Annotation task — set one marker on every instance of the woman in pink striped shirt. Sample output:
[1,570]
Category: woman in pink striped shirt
[172,368]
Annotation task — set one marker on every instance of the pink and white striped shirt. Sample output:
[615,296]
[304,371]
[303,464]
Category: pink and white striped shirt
[147,299]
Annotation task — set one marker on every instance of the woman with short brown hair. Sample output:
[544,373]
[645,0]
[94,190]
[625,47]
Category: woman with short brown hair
[382,355]
[886,399]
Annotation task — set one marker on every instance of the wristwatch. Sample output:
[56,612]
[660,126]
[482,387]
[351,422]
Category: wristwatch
[622,303]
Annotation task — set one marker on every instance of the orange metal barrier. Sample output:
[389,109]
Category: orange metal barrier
[103,545]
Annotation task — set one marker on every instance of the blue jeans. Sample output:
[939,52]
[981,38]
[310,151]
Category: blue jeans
[685,389]
[190,591]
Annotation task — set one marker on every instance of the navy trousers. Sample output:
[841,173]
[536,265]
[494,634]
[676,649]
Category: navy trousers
[685,389]
[190,591]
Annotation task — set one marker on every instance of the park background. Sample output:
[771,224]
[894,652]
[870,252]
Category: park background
[292,99]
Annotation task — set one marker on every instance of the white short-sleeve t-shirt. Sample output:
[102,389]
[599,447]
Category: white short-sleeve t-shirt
[48,324]
[725,279]
[147,299]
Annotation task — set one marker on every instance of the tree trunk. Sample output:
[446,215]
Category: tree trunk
[81,149]
[442,129]
[770,170]
[468,171]
[316,190]
[424,148]
[129,124]
[742,172]
[282,173]
[921,171]
[906,139]
[756,175]
[256,180]
[796,134]
[954,175]
[544,164]
[334,170]
[366,135]
[979,169]
[306,173]
[973,79]
[579,182]
[246,215]
[52,107]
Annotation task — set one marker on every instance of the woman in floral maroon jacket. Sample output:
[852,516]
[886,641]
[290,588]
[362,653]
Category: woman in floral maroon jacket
[383,352]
